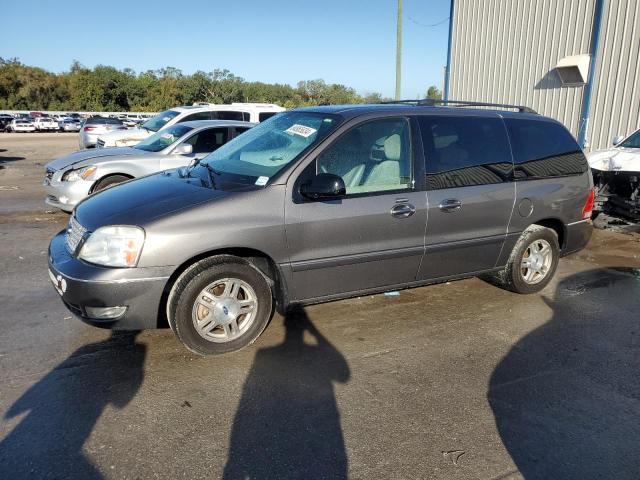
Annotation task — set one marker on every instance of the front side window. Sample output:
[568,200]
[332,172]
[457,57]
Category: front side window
[156,123]
[372,157]
[260,153]
[543,149]
[465,151]
[161,140]
[207,141]
[197,116]
[632,142]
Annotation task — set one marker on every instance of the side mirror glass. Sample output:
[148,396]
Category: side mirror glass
[617,139]
[183,149]
[324,186]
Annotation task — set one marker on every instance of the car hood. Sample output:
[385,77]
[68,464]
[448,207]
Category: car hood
[142,200]
[615,159]
[131,134]
[82,155]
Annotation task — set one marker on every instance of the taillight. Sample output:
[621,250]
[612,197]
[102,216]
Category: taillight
[588,205]
[88,128]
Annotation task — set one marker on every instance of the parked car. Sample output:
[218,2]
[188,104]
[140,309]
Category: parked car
[22,124]
[71,178]
[324,203]
[616,174]
[94,127]
[45,124]
[5,121]
[248,112]
[70,125]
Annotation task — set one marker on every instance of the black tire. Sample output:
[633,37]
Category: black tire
[511,277]
[110,182]
[194,280]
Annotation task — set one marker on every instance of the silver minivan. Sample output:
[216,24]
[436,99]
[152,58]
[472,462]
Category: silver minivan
[324,203]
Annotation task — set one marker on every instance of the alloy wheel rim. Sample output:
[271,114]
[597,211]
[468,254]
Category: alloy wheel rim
[536,262]
[224,310]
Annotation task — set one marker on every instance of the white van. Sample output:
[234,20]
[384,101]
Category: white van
[247,112]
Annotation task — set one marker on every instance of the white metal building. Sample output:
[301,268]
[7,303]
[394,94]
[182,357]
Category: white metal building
[574,60]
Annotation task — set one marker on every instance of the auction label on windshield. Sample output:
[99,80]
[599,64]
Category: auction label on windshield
[301,130]
[262,181]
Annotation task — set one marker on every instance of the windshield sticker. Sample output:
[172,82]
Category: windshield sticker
[168,136]
[262,181]
[301,130]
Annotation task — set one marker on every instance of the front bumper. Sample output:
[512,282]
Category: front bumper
[83,285]
[65,195]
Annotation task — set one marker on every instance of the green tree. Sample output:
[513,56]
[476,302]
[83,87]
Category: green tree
[434,93]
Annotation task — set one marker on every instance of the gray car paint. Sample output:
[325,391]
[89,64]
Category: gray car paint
[317,251]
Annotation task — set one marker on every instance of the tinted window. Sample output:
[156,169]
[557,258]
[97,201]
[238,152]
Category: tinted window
[372,157]
[262,116]
[207,141]
[197,116]
[227,115]
[465,151]
[632,142]
[543,149]
[103,121]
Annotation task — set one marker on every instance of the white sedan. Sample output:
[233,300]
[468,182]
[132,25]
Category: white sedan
[21,125]
[616,175]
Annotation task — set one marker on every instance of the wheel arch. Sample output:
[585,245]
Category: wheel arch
[256,258]
[557,226]
[113,174]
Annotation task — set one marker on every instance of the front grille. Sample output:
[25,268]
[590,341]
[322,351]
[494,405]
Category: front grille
[100,143]
[75,232]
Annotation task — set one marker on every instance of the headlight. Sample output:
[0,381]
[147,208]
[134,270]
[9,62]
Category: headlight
[114,246]
[83,173]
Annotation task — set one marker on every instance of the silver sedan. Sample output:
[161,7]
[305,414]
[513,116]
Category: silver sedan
[71,178]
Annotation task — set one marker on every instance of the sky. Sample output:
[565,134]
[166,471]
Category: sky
[351,42]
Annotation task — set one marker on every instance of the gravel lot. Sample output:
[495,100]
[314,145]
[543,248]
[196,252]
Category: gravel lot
[454,381]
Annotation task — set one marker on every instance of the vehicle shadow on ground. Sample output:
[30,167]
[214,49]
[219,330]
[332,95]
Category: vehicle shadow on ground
[64,407]
[287,424]
[566,398]
[5,159]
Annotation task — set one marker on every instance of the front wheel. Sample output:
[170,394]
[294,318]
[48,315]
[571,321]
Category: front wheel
[532,263]
[219,305]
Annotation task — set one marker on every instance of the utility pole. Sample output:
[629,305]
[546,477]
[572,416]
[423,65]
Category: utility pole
[399,50]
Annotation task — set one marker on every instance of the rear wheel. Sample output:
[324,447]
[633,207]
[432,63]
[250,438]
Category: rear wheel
[219,305]
[110,182]
[532,263]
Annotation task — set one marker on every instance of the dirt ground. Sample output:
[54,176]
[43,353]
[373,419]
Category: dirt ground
[454,381]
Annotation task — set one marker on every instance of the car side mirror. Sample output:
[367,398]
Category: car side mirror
[183,149]
[324,186]
[617,139]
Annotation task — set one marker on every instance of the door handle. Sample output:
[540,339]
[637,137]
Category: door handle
[402,210]
[450,205]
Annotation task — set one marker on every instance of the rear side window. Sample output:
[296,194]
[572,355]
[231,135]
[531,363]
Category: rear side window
[543,149]
[465,151]
[262,116]
[227,115]
[103,121]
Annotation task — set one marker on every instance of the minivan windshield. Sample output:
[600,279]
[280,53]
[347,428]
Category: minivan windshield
[161,140]
[260,153]
[632,142]
[156,123]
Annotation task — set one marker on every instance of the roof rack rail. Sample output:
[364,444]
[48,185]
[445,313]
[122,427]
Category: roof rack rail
[432,102]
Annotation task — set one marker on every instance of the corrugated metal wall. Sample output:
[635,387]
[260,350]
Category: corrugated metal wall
[615,105]
[506,51]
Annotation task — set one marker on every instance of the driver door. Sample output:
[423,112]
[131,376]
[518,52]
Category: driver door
[374,236]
